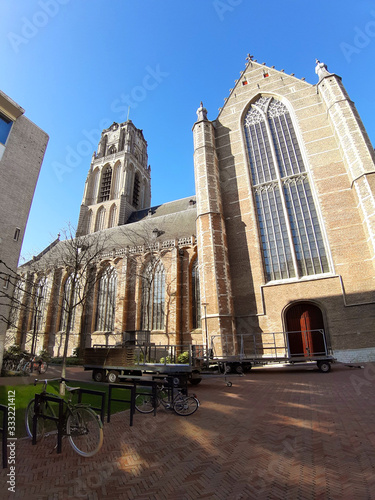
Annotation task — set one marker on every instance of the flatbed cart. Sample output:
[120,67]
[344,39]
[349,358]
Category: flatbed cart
[261,349]
[114,363]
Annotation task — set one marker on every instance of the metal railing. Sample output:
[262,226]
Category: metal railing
[274,345]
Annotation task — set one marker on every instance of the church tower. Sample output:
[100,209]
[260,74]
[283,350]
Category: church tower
[119,179]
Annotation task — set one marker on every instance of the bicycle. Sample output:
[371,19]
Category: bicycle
[81,424]
[34,365]
[181,404]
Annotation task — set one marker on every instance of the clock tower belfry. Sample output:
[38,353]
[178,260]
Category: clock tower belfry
[119,180]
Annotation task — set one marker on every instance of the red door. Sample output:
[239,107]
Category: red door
[304,322]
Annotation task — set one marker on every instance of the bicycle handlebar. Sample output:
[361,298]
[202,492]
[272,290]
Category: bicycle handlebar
[45,381]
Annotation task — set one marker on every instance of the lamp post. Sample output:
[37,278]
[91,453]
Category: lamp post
[205,304]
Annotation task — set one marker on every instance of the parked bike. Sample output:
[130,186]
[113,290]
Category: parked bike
[81,424]
[181,404]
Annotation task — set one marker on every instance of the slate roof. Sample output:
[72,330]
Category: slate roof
[173,220]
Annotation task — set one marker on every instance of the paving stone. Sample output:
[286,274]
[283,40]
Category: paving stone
[288,434]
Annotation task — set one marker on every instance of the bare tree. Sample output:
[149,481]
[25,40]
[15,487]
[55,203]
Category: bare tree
[78,257]
[145,254]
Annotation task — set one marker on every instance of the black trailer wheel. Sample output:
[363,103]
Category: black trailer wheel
[227,368]
[246,367]
[324,366]
[98,375]
[238,369]
[112,377]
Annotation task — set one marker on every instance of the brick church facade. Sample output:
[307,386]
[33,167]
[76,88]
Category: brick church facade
[279,237]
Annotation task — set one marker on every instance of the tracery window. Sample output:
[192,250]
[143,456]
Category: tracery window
[40,302]
[105,313]
[290,231]
[196,297]
[18,293]
[65,304]
[105,188]
[153,297]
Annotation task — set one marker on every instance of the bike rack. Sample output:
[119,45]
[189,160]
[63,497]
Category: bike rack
[131,388]
[60,419]
[4,432]
[101,409]
[170,385]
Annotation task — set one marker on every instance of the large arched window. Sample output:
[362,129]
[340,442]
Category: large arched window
[153,297]
[105,188]
[65,306]
[105,313]
[291,236]
[18,294]
[196,296]
[40,302]
[100,217]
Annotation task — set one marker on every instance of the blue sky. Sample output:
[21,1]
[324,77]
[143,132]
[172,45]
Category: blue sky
[76,65]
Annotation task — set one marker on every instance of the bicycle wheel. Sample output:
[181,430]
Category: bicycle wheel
[185,405]
[29,421]
[28,367]
[144,403]
[43,367]
[85,431]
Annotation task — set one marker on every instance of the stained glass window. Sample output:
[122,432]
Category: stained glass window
[289,226]
[105,314]
[153,297]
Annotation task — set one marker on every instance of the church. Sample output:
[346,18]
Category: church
[279,236]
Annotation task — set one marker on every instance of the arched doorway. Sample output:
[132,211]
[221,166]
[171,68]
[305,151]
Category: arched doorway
[305,327]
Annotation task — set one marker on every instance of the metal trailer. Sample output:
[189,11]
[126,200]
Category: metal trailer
[132,359]
[259,349]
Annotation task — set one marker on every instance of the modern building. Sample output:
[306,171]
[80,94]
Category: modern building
[22,148]
[280,236]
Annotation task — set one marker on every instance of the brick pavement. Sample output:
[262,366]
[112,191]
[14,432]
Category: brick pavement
[275,434]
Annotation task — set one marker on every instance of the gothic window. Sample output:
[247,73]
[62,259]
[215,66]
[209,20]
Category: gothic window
[40,302]
[112,216]
[100,217]
[105,188]
[136,189]
[153,297]
[105,314]
[112,150]
[67,289]
[290,231]
[16,302]
[196,298]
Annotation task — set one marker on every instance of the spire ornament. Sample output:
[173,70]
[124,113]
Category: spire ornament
[201,113]
[321,69]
